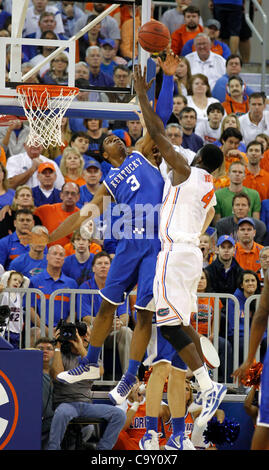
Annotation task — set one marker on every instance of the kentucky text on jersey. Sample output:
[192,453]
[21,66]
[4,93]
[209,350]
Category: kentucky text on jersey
[125,172]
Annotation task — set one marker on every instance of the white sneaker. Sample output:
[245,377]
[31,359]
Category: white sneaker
[187,444]
[212,398]
[119,393]
[150,441]
[197,404]
[82,372]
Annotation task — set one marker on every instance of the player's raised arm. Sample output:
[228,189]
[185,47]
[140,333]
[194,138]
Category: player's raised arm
[156,128]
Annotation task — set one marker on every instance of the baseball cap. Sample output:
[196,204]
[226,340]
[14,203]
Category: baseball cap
[108,41]
[225,238]
[93,163]
[213,22]
[44,166]
[248,220]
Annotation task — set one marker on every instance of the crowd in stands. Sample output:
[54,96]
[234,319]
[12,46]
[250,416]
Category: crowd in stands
[40,188]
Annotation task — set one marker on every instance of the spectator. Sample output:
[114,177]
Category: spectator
[52,215]
[49,281]
[206,245]
[225,195]
[188,30]
[188,120]
[53,151]
[248,285]
[96,135]
[236,100]
[10,245]
[46,345]
[229,14]
[256,121]
[44,51]
[108,55]
[22,168]
[23,199]
[13,137]
[256,177]
[71,166]
[79,141]
[212,29]
[264,262]
[179,102]
[93,37]
[122,79]
[233,67]
[79,265]
[204,61]
[58,72]
[6,193]
[15,322]
[93,57]
[173,18]
[264,139]
[46,192]
[92,175]
[129,35]
[247,251]
[89,306]
[135,131]
[230,139]
[183,76]
[34,261]
[175,135]
[264,216]
[73,401]
[210,130]
[34,13]
[70,14]
[240,209]
[199,96]
[230,120]
[47,22]
[109,26]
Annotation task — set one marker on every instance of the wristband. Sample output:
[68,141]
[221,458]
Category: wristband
[135,406]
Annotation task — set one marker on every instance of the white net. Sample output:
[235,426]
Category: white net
[44,114]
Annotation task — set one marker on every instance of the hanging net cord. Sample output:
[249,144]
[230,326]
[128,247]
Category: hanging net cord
[44,115]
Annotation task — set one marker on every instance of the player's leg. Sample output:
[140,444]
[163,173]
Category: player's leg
[260,440]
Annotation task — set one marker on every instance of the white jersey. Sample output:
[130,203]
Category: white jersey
[184,208]
[14,301]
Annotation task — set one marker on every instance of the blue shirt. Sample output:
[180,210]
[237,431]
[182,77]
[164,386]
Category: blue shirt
[80,272]
[137,188]
[219,90]
[10,248]
[40,198]
[89,304]
[7,198]
[193,142]
[85,196]
[48,285]
[187,48]
[101,79]
[28,266]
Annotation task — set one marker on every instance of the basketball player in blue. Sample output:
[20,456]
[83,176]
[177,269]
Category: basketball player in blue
[260,439]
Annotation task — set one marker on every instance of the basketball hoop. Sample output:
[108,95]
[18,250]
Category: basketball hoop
[44,107]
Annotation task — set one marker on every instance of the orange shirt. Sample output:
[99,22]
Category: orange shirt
[3,158]
[51,216]
[205,313]
[260,182]
[224,180]
[264,163]
[232,106]
[80,181]
[181,35]
[248,259]
[94,248]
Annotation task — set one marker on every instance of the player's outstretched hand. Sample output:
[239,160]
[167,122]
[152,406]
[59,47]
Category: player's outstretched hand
[40,238]
[240,373]
[170,64]
[140,81]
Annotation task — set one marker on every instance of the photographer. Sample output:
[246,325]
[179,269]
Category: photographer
[74,400]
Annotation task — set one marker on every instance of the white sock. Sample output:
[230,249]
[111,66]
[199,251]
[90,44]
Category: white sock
[203,378]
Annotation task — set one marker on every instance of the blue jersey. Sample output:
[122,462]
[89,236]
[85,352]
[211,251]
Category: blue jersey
[137,187]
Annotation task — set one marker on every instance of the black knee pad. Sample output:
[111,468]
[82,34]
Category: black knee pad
[178,338]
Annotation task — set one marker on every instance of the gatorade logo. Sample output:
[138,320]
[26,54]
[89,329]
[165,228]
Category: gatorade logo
[9,410]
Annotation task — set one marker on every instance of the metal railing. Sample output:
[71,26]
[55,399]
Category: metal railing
[35,300]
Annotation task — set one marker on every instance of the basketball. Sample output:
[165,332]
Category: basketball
[153,36]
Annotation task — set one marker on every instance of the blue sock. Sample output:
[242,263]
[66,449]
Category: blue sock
[178,426]
[151,423]
[93,354]
[133,367]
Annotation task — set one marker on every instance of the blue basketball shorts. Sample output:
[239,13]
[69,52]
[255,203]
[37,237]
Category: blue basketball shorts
[133,265]
[263,416]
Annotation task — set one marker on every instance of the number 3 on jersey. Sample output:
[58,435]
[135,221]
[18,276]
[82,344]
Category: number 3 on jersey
[207,198]
[134,184]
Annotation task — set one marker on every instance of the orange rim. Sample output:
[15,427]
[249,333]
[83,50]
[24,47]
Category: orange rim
[53,90]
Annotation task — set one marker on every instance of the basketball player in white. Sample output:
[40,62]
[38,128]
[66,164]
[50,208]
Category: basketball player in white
[186,212]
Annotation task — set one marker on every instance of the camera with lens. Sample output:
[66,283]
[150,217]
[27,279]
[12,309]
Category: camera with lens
[4,314]
[68,333]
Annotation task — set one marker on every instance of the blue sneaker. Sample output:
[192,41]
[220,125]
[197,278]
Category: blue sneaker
[119,393]
[150,441]
[175,442]
[81,372]
[212,398]
[196,404]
